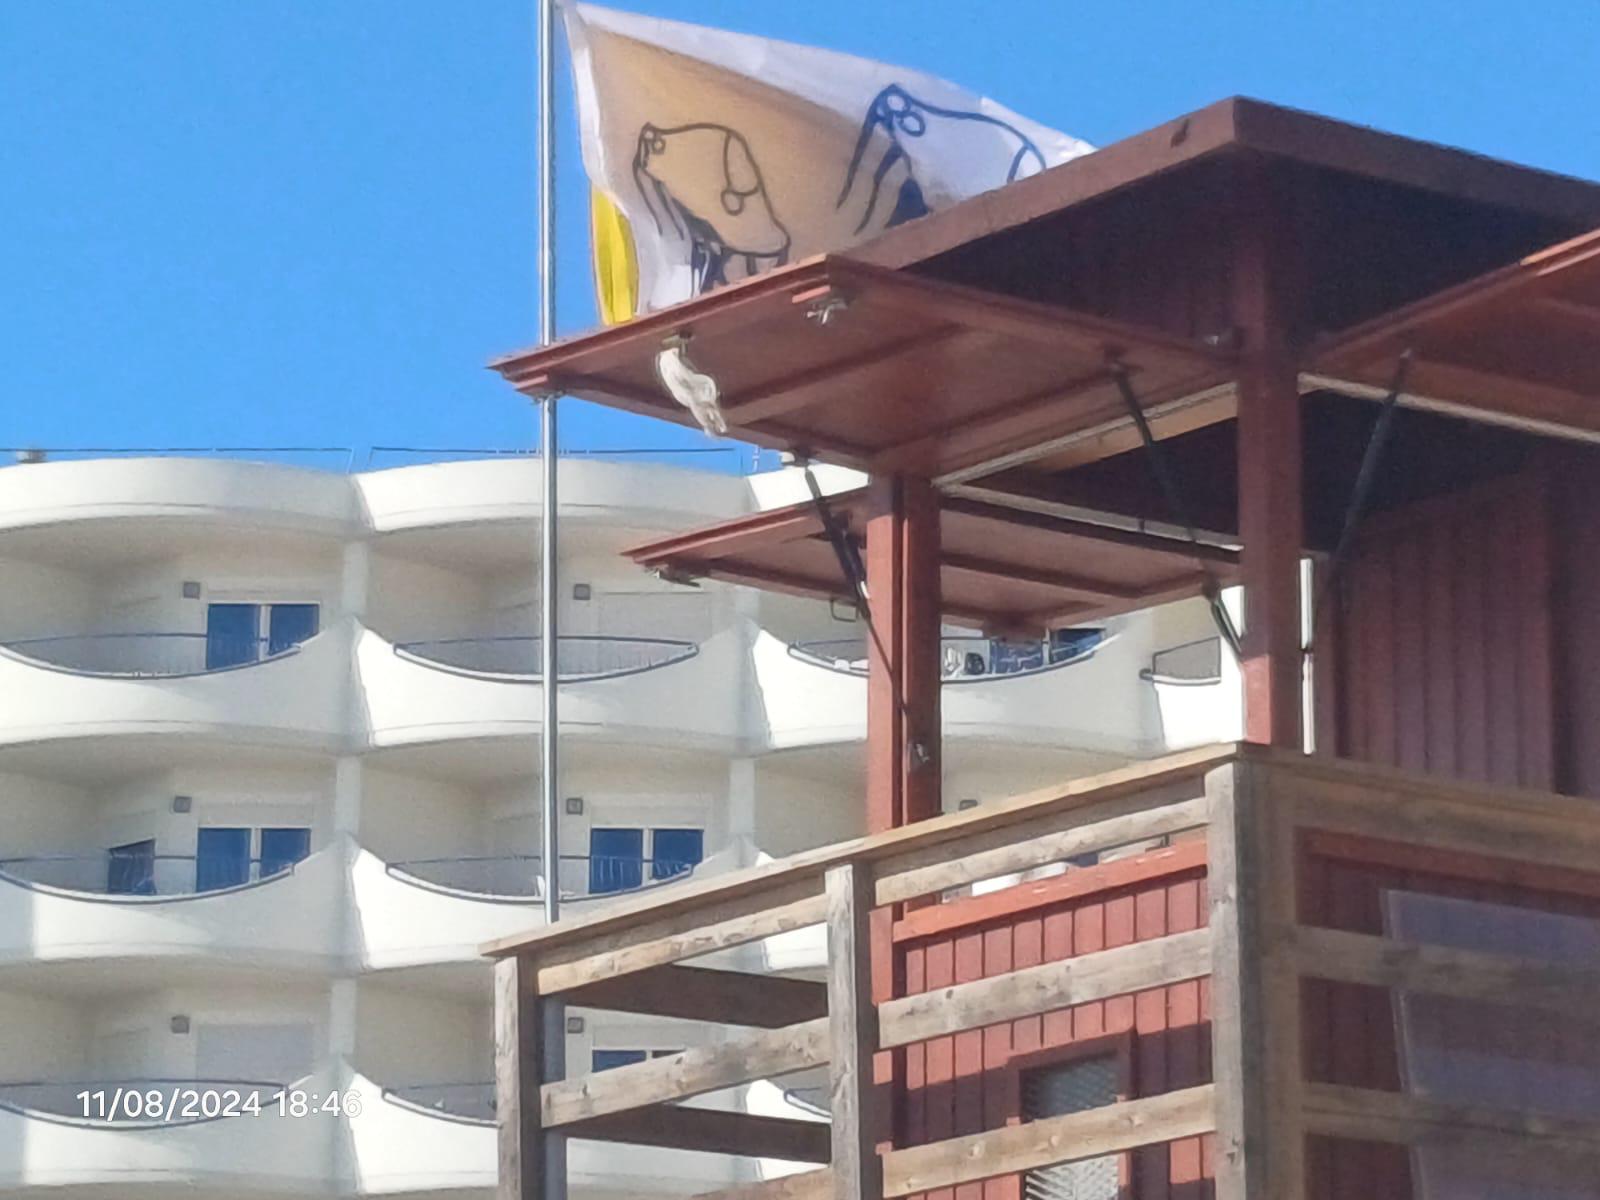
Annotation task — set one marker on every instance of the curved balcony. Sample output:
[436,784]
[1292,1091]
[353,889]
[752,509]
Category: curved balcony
[104,907]
[1083,694]
[118,684]
[441,910]
[617,690]
[241,1156]
[522,658]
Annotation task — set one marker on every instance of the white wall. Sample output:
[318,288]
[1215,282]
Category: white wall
[458,1046]
[42,1038]
[42,601]
[407,816]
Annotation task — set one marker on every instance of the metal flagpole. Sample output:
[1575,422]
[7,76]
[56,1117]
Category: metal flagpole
[555,1030]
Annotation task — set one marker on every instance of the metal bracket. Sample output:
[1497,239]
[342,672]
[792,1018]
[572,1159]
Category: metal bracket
[825,309]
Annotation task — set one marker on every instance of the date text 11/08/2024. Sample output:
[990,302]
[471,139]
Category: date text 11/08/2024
[170,1104]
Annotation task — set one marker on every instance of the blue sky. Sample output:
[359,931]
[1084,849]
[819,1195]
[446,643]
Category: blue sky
[311,222]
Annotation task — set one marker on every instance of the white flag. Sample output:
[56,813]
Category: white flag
[717,155]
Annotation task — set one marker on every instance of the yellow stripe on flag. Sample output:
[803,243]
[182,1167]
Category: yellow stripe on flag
[616,262]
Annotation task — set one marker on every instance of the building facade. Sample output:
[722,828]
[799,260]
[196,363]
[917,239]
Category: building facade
[269,777]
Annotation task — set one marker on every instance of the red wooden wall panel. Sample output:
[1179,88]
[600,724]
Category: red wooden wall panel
[1446,653]
[966,1083]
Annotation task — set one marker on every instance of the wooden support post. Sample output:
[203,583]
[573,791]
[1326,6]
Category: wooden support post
[1255,988]
[853,1035]
[903,676]
[529,1042]
[1271,517]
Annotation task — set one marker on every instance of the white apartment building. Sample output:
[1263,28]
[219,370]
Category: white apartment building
[268,777]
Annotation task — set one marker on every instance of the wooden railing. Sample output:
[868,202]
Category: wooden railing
[1254,807]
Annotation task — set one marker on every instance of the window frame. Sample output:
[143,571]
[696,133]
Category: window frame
[1118,1046]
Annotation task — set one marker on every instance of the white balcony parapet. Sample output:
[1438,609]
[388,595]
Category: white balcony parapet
[293,698]
[684,700]
[241,1155]
[290,920]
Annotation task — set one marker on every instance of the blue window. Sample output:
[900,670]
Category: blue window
[131,870]
[231,638]
[222,859]
[605,1060]
[282,848]
[675,851]
[616,860]
[235,633]
[290,624]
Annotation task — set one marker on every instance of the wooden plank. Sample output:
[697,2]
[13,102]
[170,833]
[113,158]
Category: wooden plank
[518,1062]
[1404,818]
[704,994]
[712,1131]
[857,1122]
[1110,1130]
[1270,490]
[764,885]
[660,942]
[1049,986]
[807,1185]
[694,1072]
[1443,970]
[1366,1114]
[1005,851]
[904,679]
[1255,1029]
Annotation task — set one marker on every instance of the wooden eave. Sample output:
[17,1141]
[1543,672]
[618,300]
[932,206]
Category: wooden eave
[1241,124]
[1002,569]
[1518,346]
[879,370]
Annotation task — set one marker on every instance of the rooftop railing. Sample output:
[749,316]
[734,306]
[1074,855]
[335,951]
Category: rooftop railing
[147,655]
[577,658]
[728,459]
[583,876]
[966,659]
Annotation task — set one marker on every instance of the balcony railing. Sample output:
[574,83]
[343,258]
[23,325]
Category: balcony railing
[967,659]
[147,655]
[464,1101]
[577,658]
[583,876]
[118,875]
[136,1102]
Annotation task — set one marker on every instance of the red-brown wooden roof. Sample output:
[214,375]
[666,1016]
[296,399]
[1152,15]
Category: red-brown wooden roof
[910,374]
[1522,342]
[1001,568]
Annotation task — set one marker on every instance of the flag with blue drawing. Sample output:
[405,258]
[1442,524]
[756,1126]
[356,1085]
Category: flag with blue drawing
[715,156]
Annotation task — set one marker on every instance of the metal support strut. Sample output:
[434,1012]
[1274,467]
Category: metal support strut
[1361,493]
[1210,588]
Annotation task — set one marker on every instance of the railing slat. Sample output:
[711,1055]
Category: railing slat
[1444,970]
[1046,988]
[1008,851]
[694,1072]
[1110,1130]
[1365,1114]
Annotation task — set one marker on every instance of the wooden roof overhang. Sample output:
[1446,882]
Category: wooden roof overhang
[885,371]
[1001,569]
[1519,346]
